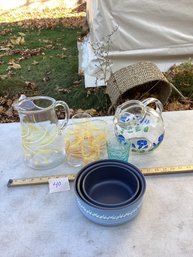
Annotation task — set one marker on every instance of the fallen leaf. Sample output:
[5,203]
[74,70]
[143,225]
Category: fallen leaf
[5,31]
[2,100]
[88,93]
[61,56]
[63,90]
[49,46]
[46,78]
[2,110]
[4,48]
[17,41]
[26,53]
[46,41]
[35,62]
[10,71]
[77,82]
[9,102]
[13,65]
[20,23]
[81,72]
[9,112]
[2,77]
[92,112]
[79,111]
[16,66]
[71,112]
[21,59]
[21,34]
[176,106]
[22,41]
[11,61]
[31,85]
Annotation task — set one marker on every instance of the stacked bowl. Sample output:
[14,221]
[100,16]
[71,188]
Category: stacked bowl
[110,192]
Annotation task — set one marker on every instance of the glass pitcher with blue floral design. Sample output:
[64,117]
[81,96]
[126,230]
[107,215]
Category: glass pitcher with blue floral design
[142,125]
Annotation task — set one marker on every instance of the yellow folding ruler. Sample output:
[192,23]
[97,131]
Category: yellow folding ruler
[71,177]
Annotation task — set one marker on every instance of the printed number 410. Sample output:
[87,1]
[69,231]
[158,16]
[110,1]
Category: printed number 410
[57,184]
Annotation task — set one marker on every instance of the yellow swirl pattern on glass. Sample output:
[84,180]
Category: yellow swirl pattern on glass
[39,142]
[85,141]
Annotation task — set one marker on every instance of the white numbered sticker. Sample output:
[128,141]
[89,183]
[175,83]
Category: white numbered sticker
[58,184]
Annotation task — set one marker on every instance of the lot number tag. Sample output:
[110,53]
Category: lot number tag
[58,184]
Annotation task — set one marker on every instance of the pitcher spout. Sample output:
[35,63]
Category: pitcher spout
[23,104]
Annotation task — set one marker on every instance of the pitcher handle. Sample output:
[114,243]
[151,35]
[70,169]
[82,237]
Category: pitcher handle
[158,104]
[67,113]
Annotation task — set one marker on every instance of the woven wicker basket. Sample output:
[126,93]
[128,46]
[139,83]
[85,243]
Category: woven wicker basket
[146,76]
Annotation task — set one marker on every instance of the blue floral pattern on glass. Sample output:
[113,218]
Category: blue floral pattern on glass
[160,138]
[141,124]
[121,138]
[142,144]
[126,117]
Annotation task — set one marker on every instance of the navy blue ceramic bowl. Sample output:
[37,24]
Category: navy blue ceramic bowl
[109,215]
[110,186]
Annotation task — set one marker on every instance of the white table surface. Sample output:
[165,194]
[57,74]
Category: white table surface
[35,223]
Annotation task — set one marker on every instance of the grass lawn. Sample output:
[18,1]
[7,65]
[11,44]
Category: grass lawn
[44,61]
[39,56]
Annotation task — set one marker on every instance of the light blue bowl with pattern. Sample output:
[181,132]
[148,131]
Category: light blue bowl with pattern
[105,215]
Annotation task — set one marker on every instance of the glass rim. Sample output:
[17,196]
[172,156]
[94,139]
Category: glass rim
[21,110]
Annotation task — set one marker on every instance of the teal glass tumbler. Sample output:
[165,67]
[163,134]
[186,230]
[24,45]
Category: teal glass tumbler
[118,150]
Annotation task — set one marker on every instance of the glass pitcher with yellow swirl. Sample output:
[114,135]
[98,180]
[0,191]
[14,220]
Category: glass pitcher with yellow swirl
[41,131]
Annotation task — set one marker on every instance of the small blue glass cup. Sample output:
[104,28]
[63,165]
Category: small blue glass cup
[118,150]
